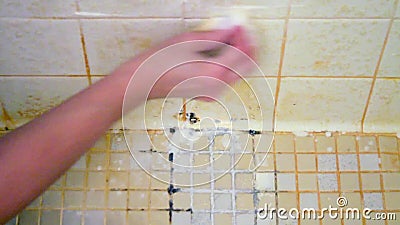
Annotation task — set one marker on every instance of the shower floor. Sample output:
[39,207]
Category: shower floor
[107,187]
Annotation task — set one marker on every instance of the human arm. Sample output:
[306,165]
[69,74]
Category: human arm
[33,156]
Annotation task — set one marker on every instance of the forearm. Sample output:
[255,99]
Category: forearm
[35,155]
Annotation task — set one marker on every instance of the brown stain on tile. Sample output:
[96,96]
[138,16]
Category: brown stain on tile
[34,106]
[7,119]
[321,64]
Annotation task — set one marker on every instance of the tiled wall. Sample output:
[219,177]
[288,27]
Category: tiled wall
[333,65]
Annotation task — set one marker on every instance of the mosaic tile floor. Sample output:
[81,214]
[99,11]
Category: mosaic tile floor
[106,186]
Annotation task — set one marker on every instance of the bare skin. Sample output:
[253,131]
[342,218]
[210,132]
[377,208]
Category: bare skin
[35,155]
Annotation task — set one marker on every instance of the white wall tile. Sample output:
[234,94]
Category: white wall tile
[253,8]
[37,8]
[318,104]
[333,47]
[40,47]
[27,97]
[129,8]
[111,42]
[342,8]
[398,11]
[390,66]
[384,107]
[251,108]
[267,35]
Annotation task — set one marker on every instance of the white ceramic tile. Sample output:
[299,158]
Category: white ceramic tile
[267,35]
[94,217]
[319,104]
[71,217]
[373,200]
[249,105]
[179,218]
[40,47]
[309,200]
[384,107]
[252,8]
[327,162]
[286,182]
[389,66]
[398,10]
[111,42]
[223,201]
[245,218]
[27,97]
[333,47]
[37,8]
[342,8]
[348,162]
[369,162]
[265,181]
[128,8]
[327,182]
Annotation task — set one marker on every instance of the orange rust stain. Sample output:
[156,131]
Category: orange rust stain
[7,118]
[320,64]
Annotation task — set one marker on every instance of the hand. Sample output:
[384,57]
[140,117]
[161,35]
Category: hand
[231,48]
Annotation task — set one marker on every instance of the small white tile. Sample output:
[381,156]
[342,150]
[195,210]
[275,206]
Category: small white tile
[37,8]
[127,8]
[286,182]
[40,47]
[369,162]
[265,181]
[71,217]
[223,201]
[309,200]
[179,218]
[111,42]
[384,107]
[333,47]
[327,182]
[199,218]
[373,200]
[342,8]
[327,162]
[252,8]
[348,162]
[115,217]
[245,218]
[94,217]
[389,66]
[318,104]
[50,217]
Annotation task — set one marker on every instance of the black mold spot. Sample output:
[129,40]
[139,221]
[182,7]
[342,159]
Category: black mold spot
[254,132]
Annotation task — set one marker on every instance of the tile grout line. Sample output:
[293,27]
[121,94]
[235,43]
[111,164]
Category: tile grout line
[296,176]
[83,43]
[64,183]
[360,177]
[378,64]
[212,183]
[317,172]
[107,184]
[233,179]
[339,182]
[279,77]
[275,178]
[381,176]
